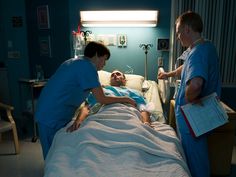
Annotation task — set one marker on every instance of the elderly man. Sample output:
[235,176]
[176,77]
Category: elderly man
[117,88]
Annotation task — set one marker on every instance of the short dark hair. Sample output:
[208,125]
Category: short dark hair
[191,19]
[93,48]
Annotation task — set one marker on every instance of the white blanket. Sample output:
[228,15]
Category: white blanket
[115,143]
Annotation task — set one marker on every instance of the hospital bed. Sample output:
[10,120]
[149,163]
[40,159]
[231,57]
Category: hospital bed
[114,142]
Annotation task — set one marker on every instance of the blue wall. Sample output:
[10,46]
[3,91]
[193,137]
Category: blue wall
[17,36]
[64,18]
[58,32]
[132,55]
[1,32]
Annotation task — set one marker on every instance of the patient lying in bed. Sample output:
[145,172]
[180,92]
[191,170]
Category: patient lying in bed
[117,88]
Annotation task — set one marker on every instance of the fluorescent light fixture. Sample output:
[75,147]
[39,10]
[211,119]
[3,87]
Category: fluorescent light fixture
[119,18]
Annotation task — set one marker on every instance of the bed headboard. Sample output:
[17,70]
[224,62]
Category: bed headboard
[164,88]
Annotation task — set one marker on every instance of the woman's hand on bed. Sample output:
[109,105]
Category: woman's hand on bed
[74,126]
[84,112]
[130,101]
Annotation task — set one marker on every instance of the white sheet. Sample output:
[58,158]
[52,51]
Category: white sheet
[114,143]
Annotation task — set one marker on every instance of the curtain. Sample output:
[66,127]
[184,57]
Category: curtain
[219,19]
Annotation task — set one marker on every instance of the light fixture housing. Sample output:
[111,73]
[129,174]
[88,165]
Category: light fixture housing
[119,18]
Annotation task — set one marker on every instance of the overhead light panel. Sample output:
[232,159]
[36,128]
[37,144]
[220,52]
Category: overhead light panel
[119,18]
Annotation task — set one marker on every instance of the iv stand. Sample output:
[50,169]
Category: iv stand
[78,43]
[85,35]
[145,47]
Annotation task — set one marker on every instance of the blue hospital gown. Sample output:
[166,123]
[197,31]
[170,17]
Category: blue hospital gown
[120,91]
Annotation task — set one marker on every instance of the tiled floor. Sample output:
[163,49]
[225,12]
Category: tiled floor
[29,163]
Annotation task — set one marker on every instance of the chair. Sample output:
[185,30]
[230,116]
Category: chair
[9,124]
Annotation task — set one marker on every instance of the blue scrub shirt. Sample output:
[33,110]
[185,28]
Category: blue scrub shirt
[202,61]
[65,91]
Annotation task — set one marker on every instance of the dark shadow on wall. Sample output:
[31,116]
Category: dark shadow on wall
[228,96]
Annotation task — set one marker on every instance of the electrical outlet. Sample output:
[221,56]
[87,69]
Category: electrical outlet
[9,44]
[160,61]
[13,54]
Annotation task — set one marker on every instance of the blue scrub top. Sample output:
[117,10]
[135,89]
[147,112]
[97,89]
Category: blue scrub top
[65,91]
[202,61]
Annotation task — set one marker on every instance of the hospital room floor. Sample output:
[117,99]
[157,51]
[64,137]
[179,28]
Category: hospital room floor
[29,163]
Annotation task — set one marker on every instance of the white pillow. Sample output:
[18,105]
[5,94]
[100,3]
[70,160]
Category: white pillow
[104,77]
[133,81]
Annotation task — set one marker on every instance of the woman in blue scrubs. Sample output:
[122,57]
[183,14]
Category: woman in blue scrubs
[68,88]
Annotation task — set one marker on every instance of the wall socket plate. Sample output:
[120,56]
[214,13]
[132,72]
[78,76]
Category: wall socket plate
[13,54]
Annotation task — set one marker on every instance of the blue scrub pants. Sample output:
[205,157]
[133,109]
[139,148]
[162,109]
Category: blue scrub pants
[46,135]
[196,150]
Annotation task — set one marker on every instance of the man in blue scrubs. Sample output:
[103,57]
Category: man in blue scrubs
[199,77]
[68,88]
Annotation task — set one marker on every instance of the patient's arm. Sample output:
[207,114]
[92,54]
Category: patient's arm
[80,118]
[146,117]
[84,112]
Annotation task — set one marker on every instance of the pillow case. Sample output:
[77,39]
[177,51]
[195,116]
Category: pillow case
[104,77]
[133,81]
